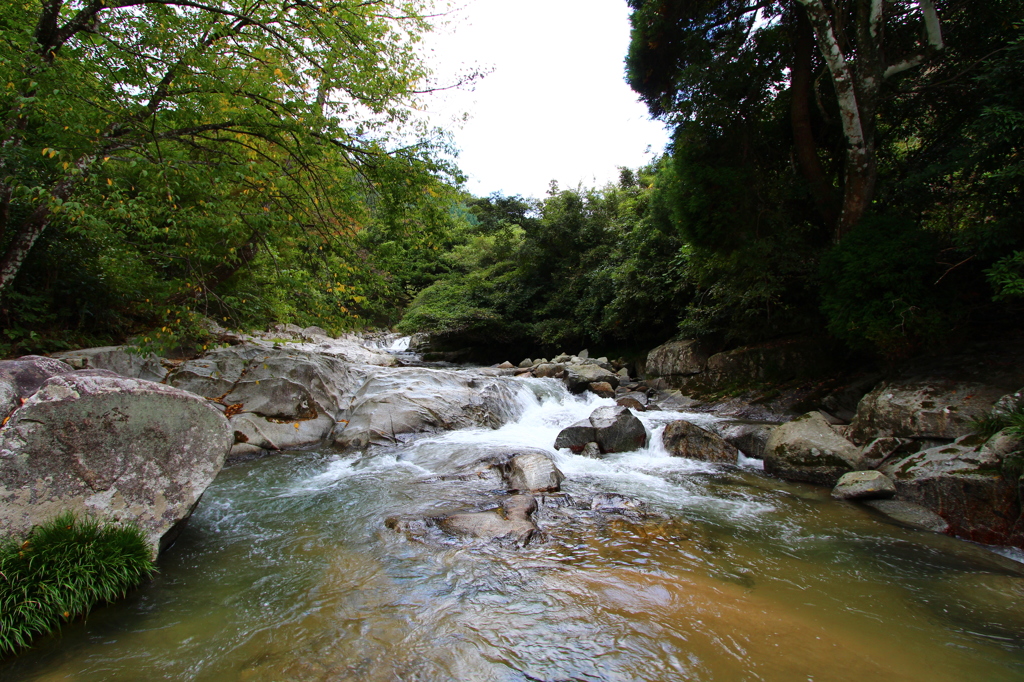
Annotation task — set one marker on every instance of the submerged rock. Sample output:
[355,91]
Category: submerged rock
[683,439]
[809,449]
[910,514]
[96,443]
[864,485]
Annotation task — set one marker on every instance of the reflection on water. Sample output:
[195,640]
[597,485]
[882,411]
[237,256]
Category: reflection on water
[286,572]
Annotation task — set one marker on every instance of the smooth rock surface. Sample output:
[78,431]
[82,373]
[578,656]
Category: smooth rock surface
[93,442]
[864,485]
[576,436]
[910,514]
[808,449]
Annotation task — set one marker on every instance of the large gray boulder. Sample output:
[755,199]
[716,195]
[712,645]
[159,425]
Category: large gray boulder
[392,402]
[775,361]
[616,429]
[963,483]
[921,409]
[96,443]
[117,359]
[578,377]
[575,436]
[750,438]
[676,359]
[809,449]
[683,439]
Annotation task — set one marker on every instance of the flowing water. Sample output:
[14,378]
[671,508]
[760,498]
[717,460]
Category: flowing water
[287,572]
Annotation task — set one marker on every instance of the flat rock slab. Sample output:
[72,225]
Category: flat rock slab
[96,443]
[864,485]
[910,514]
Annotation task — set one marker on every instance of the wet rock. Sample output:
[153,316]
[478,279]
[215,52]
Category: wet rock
[532,472]
[910,514]
[963,483]
[922,409]
[117,359]
[672,400]
[592,450]
[683,439]
[750,438]
[578,377]
[638,396]
[93,442]
[576,436]
[676,359]
[808,449]
[864,485]
[393,402]
[602,388]
[613,503]
[616,429]
[512,523]
[631,403]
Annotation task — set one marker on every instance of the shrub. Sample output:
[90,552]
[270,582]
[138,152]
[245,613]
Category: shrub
[62,570]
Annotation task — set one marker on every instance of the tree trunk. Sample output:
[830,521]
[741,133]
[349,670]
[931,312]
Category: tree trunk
[800,117]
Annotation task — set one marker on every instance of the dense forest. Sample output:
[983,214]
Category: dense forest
[851,169]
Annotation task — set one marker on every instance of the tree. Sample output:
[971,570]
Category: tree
[220,125]
[680,49]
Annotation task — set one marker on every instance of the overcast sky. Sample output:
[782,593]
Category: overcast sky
[554,107]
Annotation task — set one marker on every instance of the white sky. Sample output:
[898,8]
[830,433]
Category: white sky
[555,106]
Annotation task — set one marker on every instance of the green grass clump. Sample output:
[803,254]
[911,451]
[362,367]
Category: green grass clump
[990,424]
[63,569]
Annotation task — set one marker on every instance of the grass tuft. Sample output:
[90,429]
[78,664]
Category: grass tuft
[63,569]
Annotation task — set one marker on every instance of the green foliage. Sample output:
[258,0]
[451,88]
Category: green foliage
[63,569]
[878,286]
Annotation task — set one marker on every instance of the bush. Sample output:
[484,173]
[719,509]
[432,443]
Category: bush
[879,287]
[61,571]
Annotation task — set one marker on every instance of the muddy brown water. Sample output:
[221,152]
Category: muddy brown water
[287,573]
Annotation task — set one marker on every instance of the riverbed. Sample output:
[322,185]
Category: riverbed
[287,572]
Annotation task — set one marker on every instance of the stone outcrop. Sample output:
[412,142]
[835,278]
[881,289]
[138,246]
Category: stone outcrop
[390,403]
[921,409]
[809,449]
[963,483]
[864,485]
[117,359]
[683,439]
[676,359]
[22,377]
[97,443]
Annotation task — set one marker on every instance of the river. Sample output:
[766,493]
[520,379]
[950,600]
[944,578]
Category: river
[287,573]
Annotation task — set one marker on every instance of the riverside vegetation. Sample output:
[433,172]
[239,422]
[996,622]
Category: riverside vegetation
[162,166]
